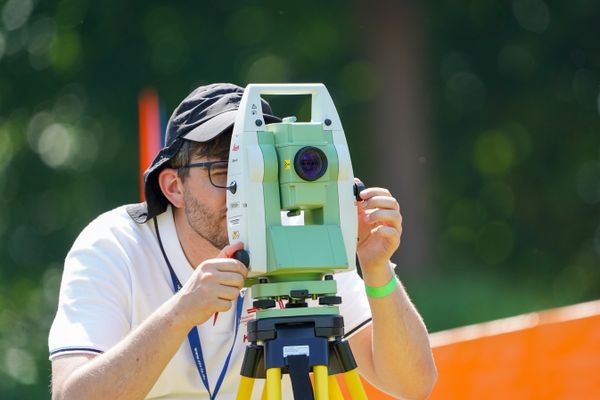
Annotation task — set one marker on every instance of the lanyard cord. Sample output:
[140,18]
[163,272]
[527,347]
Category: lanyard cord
[193,335]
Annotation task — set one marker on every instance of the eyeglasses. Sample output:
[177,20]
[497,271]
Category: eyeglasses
[217,173]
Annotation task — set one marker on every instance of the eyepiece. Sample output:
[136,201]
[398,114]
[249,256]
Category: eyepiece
[310,163]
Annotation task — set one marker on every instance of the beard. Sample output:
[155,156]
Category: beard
[207,223]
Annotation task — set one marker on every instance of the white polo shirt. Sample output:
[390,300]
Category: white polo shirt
[115,276]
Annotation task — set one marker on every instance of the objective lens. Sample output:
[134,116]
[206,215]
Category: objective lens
[310,163]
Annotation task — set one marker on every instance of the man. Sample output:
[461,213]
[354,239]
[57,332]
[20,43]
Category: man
[142,278]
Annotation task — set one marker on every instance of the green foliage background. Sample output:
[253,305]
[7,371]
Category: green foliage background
[514,89]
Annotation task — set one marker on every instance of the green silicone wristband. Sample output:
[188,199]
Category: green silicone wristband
[381,291]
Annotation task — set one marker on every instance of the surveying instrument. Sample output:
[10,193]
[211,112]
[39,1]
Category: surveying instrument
[302,169]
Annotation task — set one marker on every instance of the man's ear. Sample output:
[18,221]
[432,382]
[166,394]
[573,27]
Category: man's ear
[169,183]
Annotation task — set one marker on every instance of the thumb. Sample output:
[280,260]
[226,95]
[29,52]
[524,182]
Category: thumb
[230,249]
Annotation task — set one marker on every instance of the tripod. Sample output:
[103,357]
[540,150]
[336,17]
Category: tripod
[297,340]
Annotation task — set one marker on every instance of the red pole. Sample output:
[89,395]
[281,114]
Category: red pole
[149,129]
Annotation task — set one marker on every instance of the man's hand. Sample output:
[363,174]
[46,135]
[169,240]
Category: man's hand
[213,287]
[379,227]
[130,368]
[393,352]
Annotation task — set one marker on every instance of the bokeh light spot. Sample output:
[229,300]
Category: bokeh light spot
[459,234]
[51,282]
[452,63]
[465,212]
[493,153]
[36,126]
[532,15]
[69,107]
[577,279]
[20,365]
[316,42]
[6,147]
[465,91]
[40,35]
[65,50]
[54,145]
[39,39]
[269,68]
[16,13]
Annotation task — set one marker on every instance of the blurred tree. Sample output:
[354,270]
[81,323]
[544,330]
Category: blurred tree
[399,113]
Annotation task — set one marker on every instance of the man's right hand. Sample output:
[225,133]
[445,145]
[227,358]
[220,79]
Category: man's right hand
[213,287]
[132,366]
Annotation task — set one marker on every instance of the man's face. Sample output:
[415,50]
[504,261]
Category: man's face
[205,205]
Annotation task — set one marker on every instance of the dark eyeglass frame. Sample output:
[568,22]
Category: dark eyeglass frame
[209,164]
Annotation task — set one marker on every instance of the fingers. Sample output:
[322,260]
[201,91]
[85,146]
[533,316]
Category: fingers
[391,218]
[390,239]
[384,202]
[374,191]
[221,305]
[227,293]
[225,271]
[230,249]
[232,279]
[380,207]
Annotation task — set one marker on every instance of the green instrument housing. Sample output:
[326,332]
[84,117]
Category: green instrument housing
[299,253]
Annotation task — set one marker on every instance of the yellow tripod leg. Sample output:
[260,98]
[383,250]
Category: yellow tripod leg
[354,384]
[335,392]
[245,389]
[264,392]
[321,391]
[273,384]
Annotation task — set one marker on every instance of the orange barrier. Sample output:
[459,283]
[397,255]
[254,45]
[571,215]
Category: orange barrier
[552,354]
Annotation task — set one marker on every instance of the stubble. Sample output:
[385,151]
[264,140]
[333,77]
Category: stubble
[207,223]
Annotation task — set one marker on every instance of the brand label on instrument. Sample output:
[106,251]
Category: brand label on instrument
[296,351]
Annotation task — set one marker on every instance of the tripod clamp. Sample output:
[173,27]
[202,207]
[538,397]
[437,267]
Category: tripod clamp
[296,345]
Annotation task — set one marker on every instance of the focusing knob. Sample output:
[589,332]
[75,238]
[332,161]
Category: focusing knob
[243,257]
[263,304]
[330,300]
[358,187]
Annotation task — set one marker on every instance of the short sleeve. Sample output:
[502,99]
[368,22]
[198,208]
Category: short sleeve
[355,305]
[94,308]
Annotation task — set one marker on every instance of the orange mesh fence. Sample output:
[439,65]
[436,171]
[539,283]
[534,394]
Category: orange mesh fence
[551,354]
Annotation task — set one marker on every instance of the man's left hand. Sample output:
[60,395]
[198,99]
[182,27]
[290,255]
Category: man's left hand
[379,228]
